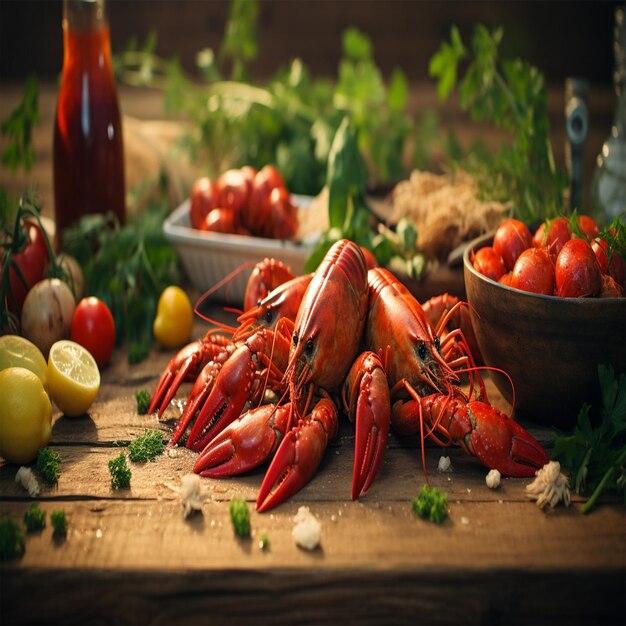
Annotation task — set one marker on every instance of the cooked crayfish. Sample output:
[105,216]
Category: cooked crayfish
[361,341]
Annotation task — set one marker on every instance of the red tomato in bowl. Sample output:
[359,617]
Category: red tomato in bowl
[512,237]
[204,198]
[534,272]
[589,227]
[553,234]
[234,189]
[93,327]
[266,179]
[577,271]
[489,263]
[31,261]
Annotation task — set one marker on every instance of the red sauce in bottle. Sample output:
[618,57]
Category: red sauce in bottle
[88,145]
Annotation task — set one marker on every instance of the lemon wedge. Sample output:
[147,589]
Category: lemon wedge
[73,377]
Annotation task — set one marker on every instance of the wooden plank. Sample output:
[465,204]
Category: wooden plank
[482,564]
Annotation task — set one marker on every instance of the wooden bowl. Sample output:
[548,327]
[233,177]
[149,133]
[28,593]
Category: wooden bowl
[550,346]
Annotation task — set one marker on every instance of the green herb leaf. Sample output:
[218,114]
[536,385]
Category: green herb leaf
[431,503]
[12,541]
[59,524]
[142,397]
[34,518]
[147,447]
[120,472]
[49,465]
[240,516]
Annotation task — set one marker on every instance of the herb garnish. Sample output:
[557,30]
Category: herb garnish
[49,464]
[127,267]
[431,503]
[120,472]
[59,523]
[12,542]
[34,518]
[146,447]
[595,456]
[512,95]
[240,516]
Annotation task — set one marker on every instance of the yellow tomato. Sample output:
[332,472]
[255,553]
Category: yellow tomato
[25,415]
[174,319]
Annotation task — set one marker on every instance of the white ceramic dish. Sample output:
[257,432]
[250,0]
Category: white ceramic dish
[209,258]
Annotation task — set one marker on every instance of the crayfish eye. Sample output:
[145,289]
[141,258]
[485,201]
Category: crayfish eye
[309,346]
[438,344]
[421,350]
[259,302]
[295,339]
[268,316]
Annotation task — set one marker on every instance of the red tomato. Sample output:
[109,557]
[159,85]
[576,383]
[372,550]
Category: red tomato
[505,279]
[599,247]
[489,263]
[283,222]
[534,272]
[93,327]
[233,188]
[31,261]
[617,269]
[203,199]
[267,178]
[577,270]
[610,288]
[588,226]
[553,234]
[511,239]
[220,220]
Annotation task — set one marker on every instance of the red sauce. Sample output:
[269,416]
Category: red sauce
[88,146]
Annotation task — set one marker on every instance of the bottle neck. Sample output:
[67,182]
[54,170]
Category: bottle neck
[84,15]
[85,32]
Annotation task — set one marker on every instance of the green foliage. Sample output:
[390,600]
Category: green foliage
[350,217]
[142,396]
[595,455]
[120,472]
[127,267]
[264,542]
[511,94]
[49,465]
[240,516]
[59,524]
[147,447]
[18,128]
[12,541]
[34,518]
[289,121]
[431,503]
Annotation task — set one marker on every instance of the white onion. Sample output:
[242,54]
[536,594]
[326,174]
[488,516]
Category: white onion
[47,313]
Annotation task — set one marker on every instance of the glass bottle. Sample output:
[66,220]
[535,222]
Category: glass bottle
[608,191]
[88,144]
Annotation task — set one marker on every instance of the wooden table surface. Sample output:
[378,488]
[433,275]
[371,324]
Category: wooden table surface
[131,557]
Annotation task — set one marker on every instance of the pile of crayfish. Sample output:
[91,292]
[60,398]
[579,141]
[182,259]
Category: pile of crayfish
[347,338]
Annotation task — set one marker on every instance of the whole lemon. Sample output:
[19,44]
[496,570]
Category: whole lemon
[25,415]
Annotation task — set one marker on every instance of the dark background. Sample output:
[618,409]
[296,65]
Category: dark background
[560,38]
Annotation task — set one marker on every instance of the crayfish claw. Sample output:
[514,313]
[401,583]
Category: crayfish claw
[298,456]
[244,444]
[366,398]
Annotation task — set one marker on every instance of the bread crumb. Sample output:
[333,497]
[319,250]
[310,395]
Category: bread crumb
[307,530]
[26,478]
[190,494]
[493,479]
[549,487]
[445,464]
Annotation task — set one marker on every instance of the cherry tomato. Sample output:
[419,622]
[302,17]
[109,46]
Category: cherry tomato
[600,247]
[93,327]
[577,270]
[233,188]
[174,319]
[610,288]
[267,178]
[204,197]
[31,261]
[534,272]
[220,220]
[505,279]
[589,227]
[511,239]
[283,222]
[489,263]
[553,234]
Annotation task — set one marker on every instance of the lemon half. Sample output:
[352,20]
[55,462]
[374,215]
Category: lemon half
[73,377]
[16,351]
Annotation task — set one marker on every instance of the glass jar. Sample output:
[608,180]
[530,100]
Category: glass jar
[608,191]
[88,144]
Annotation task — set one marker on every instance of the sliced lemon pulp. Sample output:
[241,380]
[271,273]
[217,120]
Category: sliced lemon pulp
[73,377]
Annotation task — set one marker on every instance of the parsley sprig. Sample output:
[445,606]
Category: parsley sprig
[595,456]
[129,269]
[511,94]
